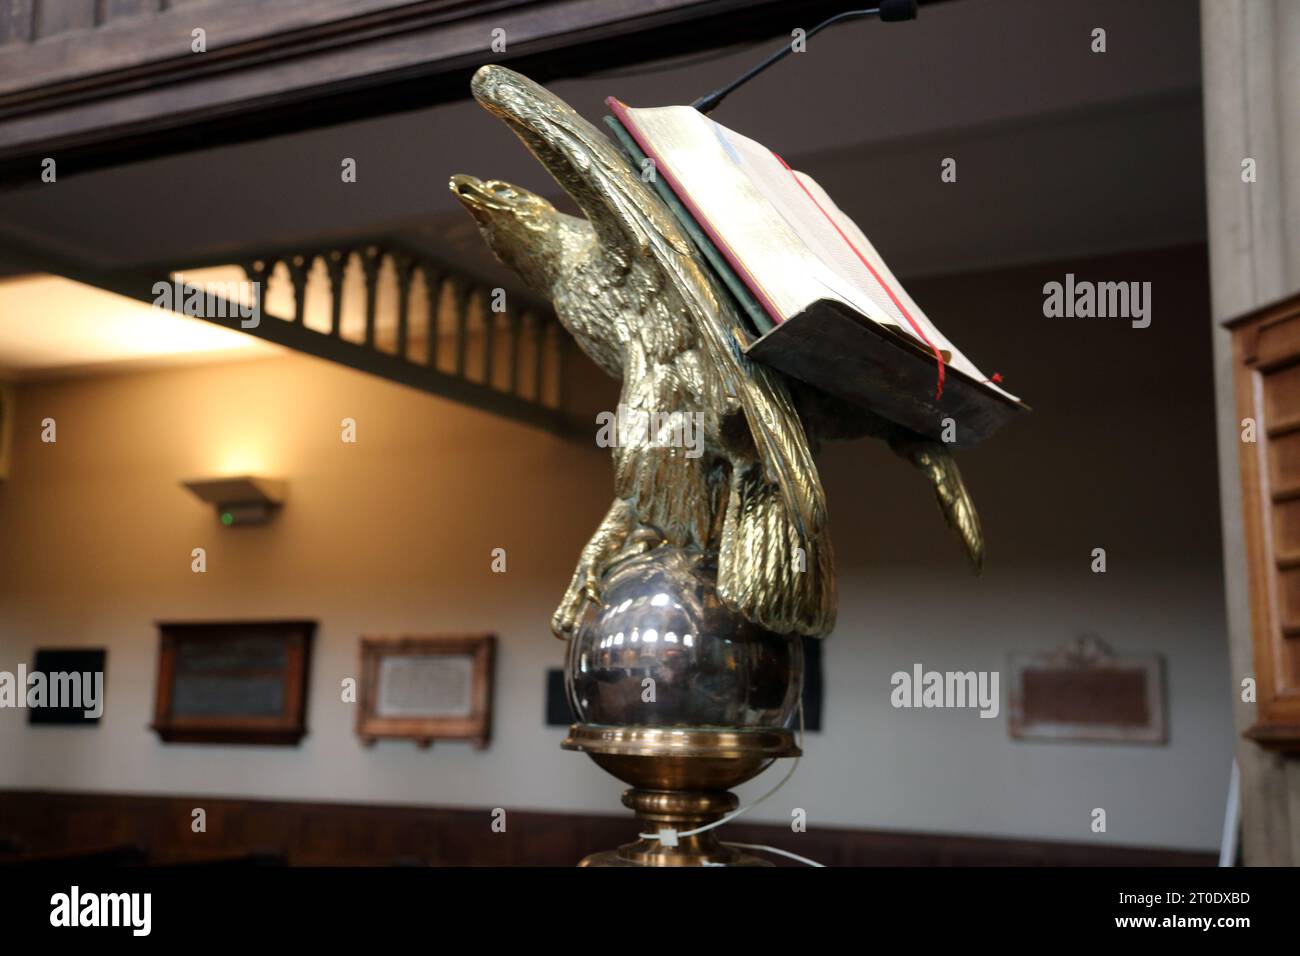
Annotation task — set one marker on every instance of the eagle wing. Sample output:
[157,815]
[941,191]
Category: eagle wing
[632,224]
[826,417]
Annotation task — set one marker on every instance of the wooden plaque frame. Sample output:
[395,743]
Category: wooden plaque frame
[1098,681]
[286,728]
[475,727]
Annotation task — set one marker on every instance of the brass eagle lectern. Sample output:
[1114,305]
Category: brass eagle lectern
[686,612]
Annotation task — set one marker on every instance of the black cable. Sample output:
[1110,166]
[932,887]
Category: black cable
[889,10]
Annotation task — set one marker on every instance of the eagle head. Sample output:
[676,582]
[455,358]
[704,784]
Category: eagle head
[520,227]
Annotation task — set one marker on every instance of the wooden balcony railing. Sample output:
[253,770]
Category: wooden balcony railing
[392,311]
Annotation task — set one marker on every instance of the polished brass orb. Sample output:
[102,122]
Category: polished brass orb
[680,698]
[662,651]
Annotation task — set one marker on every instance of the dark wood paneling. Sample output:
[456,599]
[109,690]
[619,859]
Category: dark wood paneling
[24,21]
[55,17]
[278,67]
[16,21]
[157,829]
[110,10]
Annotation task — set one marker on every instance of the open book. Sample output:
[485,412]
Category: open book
[827,308]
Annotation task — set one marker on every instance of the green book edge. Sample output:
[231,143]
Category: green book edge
[760,322]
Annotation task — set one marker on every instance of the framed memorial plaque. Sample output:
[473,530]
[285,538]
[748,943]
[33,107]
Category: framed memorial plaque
[1084,691]
[426,689]
[236,682]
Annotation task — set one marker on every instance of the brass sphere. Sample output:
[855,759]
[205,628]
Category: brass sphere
[662,651]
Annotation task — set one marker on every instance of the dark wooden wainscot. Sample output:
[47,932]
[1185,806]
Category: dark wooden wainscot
[154,829]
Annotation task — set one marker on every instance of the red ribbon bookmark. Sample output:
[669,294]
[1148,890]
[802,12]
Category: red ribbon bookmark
[938,356]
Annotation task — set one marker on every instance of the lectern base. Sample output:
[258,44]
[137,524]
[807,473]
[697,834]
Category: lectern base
[680,779]
[679,810]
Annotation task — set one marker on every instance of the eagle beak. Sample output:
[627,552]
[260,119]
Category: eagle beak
[478,198]
[469,190]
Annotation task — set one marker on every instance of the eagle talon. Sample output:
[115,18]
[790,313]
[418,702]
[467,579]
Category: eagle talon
[564,623]
[639,542]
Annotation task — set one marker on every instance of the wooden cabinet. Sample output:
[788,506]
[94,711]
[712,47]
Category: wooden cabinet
[1266,365]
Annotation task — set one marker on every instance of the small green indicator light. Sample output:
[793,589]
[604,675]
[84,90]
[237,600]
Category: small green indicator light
[227,518]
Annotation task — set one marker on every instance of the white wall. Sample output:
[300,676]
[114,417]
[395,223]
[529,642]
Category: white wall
[394,535]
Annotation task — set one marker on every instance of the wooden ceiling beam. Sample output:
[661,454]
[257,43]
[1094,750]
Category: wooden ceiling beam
[133,90]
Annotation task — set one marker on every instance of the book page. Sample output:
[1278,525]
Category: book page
[709,177]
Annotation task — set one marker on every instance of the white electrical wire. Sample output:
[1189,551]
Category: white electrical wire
[737,812]
[727,818]
[772,849]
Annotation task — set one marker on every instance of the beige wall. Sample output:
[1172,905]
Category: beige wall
[394,534]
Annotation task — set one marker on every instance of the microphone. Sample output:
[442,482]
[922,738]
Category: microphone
[890,11]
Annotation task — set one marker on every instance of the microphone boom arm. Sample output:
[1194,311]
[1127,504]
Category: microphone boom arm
[889,10]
